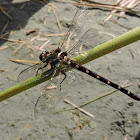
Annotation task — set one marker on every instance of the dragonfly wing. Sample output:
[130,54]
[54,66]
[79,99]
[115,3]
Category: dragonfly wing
[76,40]
[87,41]
[52,95]
[76,29]
[31,71]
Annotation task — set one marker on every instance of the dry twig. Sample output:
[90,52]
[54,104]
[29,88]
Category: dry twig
[82,110]
[58,23]
[126,4]
[3,47]
[53,35]
[23,61]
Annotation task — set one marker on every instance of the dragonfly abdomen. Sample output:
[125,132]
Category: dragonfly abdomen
[102,79]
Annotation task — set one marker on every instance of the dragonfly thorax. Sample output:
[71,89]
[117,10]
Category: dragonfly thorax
[63,55]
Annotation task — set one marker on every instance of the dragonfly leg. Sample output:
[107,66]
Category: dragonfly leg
[41,68]
[37,101]
[65,75]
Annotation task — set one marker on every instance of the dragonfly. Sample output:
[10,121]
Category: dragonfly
[68,47]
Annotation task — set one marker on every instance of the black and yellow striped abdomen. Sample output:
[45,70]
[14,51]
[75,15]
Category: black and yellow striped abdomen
[73,64]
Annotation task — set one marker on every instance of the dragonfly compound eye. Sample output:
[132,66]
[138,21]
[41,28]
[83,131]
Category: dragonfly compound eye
[43,55]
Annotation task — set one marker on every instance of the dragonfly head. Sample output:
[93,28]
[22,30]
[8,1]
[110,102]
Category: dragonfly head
[43,56]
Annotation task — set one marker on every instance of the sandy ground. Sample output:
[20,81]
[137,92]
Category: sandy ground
[117,117]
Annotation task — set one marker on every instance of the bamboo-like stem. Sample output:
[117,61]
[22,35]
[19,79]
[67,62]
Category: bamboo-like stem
[90,55]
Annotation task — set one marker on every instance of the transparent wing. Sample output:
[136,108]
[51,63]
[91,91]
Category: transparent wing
[77,40]
[75,31]
[31,71]
[51,96]
[86,42]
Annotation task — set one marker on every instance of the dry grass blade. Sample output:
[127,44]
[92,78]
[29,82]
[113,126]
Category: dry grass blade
[16,50]
[3,47]
[58,23]
[42,46]
[51,87]
[100,6]
[23,61]
[5,34]
[11,40]
[126,4]
[53,35]
[82,110]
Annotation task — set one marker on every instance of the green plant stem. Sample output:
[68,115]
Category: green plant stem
[90,55]
[110,46]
